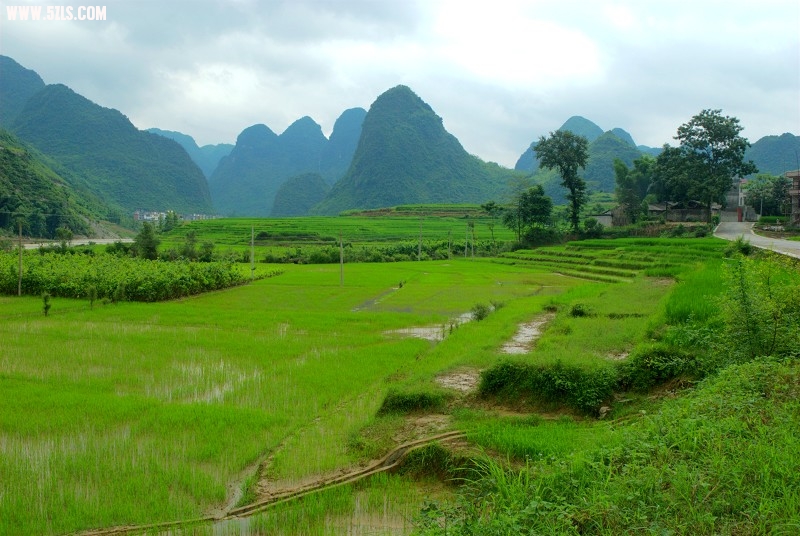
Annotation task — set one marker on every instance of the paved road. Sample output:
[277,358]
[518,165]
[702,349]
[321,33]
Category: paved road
[76,242]
[733,230]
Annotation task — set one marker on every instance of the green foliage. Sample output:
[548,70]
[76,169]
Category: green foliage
[406,156]
[741,246]
[769,194]
[531,209]
[146,242]
[33,193]
[411,401]
[633,185]
[480,311]
[654,364]
[46,303]
[761,308]
[709,157]
[717,461]
[107,156]
[582,388]
[567,153]
[114,277]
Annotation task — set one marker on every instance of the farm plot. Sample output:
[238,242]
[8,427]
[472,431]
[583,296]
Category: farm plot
[145,412]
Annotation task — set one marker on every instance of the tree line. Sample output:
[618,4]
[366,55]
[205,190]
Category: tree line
[701,168]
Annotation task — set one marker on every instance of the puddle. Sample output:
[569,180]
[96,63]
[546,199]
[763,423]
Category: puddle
[435,333]
[526,335]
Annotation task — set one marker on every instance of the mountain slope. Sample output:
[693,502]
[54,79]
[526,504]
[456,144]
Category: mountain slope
[341,147]
[246,181]
[206,157]
[775,154]
[406,156]
[17,85]
[298,194]
[599,172]
[30,189]
[118,163]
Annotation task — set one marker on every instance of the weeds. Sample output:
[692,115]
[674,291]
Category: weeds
[411,401]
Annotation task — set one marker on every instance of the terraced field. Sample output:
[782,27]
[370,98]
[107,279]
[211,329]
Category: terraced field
[614,261]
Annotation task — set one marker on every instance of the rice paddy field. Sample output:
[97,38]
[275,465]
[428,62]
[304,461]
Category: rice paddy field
[132,414]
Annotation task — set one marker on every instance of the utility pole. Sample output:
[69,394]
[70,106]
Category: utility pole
[252,253]
[449,237]
[341,260]
[19,280]
[419,244]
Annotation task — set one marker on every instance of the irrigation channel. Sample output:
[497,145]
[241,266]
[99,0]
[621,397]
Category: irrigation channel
[390,461]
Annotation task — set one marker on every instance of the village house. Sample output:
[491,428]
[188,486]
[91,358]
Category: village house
[794,193]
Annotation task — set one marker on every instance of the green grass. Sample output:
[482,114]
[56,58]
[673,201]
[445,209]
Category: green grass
[137,413]
[720,460]
[235,233]
[144,412]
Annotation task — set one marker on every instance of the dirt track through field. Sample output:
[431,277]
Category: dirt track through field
[387,463]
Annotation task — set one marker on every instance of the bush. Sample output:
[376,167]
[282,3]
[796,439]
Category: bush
[480,311]
[654,364]
[579,310]
[584,389]
[740,245]
[410,401]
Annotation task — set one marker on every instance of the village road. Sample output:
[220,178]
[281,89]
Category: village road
[76,242]
[731,230]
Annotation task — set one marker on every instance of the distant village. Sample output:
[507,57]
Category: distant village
[155,216]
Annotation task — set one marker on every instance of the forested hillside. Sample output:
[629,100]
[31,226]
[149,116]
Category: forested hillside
[775,154]
[114,160]
[35,195]
[405,155]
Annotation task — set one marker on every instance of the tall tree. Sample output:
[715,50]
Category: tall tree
[567,153]
[711,155]
[532,208]
[146,242]
[769,194]
[632,185]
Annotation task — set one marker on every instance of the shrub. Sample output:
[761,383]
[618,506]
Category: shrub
[480,311]
[582,388]
[410,401]
[654,364]
[740,245]
[579,310]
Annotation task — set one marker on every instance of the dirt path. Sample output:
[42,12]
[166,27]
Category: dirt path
[387,463]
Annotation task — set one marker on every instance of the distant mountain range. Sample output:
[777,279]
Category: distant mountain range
[246,181]
[206,157]
[104,153]
[397,153]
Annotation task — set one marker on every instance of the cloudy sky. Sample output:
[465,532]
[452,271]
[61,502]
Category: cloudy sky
[500,73]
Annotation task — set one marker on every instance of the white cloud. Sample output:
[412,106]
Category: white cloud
[500,74]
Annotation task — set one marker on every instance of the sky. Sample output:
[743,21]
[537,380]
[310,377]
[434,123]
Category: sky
[500,73]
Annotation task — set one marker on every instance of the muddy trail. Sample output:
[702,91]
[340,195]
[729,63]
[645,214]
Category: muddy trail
[390,461]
